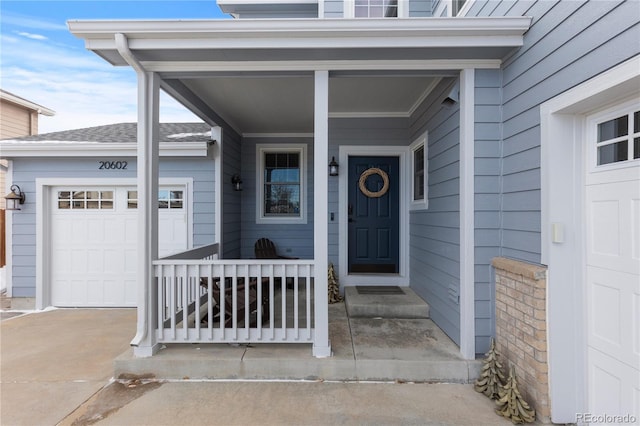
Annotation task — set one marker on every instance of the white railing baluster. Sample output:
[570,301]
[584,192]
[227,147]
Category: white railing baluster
[173,302]
[185,301]
[223,305]
[247,304]
[272,302]
[210,301]
[260,298]
[296,326]
[185,285]
[308,299]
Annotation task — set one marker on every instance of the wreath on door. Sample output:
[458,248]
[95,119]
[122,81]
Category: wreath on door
[362,183]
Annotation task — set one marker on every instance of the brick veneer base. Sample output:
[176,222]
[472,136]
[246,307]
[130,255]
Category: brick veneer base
[521,329]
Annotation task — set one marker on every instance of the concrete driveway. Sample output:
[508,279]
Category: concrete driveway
[57,367]
[53,361]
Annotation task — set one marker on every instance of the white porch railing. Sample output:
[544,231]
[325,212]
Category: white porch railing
[201,299]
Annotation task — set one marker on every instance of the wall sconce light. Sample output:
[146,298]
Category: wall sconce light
[237,182]
[15,198]
[333,167]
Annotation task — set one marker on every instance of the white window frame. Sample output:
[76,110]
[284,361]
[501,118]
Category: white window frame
[592,121]
[350,10]
[420,204]
[261,150]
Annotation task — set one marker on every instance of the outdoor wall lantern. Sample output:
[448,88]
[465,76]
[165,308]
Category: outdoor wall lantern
[15,198]
[333,167]
[237,182]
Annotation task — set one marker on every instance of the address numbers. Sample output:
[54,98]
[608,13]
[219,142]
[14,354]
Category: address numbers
[112,165]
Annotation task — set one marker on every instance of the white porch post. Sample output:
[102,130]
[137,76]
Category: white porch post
[321,344]
[467,215]
[148,117]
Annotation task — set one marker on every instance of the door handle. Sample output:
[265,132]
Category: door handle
[350,209]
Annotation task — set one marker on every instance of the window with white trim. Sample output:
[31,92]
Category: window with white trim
[85,200]
[419,174]
[375,8]
[281,195]
[618,139]
[170,199]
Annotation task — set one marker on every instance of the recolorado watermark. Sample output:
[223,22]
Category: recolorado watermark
[605,418]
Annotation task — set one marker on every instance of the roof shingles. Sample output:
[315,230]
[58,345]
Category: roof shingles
[125,133]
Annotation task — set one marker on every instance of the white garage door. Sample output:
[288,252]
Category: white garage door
[613,264]
[94,242]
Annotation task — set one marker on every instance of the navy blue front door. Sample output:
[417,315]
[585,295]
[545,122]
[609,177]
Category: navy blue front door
[374,205]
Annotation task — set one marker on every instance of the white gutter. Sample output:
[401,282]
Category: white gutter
[311,33]
[145,270]
[18,148]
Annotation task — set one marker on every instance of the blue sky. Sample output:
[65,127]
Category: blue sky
[41,61]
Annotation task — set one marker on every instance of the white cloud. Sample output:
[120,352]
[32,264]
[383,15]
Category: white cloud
[9,18]
[83,89]
[31,36]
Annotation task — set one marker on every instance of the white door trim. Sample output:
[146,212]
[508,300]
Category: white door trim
[43,224]
[402,278]
[562,171]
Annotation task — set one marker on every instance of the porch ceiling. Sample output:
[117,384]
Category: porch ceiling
[284,104]
[256,76]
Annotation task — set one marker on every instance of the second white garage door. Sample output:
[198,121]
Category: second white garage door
[94,242]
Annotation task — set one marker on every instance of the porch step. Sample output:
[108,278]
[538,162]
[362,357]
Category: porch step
[384,302]
[363,349]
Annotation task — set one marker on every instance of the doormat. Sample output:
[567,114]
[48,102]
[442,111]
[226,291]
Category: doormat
[379,290]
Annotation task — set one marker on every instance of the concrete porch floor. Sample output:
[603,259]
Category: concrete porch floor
[364,349]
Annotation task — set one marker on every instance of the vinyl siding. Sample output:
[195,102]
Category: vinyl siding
[421,8]
[231,205]
[17,121]
[568,43]
[333,8]
[487,200]
[25,171]
[290,239]
[435,233]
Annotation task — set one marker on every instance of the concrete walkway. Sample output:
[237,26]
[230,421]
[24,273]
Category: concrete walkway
[57,365]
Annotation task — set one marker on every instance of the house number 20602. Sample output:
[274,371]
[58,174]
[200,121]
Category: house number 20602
[112,165]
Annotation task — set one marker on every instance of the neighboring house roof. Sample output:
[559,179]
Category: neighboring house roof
[10,97]
[176,139]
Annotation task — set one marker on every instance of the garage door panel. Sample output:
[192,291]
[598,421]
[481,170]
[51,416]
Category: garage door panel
[614,302]
[635,230]
[78,261]
[94,251]
[613,214]
[130,260]
[621,384]
[612,270]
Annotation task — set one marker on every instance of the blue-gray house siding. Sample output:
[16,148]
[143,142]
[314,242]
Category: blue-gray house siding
[568,43]
[26,170]
[231,205]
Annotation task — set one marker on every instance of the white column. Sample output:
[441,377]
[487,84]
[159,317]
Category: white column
[321,344]
[148,116]
[467,215]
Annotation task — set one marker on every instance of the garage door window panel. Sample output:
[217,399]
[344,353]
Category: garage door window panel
[618,139]
[85,200]
[167,199]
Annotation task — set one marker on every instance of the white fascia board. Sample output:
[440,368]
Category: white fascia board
[26,104]
[356,65]
[322,33]
[12,149]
